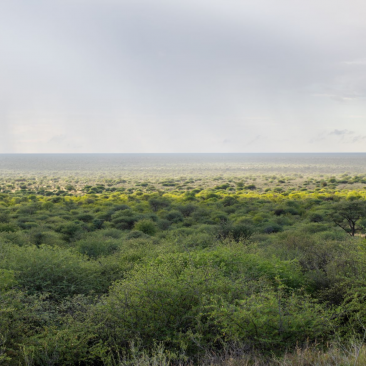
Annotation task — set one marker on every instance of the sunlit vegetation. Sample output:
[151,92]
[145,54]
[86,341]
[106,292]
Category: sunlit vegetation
[73,185]
[252,269]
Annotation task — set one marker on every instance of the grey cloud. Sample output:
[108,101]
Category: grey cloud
[346,137]
[359,138]
[341,132]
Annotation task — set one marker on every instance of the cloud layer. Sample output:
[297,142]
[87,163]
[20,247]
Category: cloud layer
[182,76]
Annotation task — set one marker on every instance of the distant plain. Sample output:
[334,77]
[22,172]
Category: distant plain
[183,164]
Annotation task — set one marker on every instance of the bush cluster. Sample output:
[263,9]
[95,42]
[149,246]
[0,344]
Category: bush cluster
[85,276]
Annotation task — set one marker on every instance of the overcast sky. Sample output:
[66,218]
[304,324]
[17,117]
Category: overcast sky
[109,76]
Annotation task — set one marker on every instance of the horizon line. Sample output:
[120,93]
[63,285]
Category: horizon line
[183,153]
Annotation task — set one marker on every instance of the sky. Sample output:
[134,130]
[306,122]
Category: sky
[182,76]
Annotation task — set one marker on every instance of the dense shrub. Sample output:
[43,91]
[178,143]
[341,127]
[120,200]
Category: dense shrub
[182,300]
[124,220]
[57,271]
[174,216]
[187,209]
[148,227]
[97,247]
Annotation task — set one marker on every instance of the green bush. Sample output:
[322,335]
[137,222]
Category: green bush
[71,230]
[7,280]
[164,224]
[18,323]
[57,271]
[8,228]
[32,332]
[187,209]
[97,247]
[136,234]
[270,319]
[185,301]
[148,227]
[124,220]
[174,216]
[161,301]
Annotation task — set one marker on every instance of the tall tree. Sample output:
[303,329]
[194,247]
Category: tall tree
[347,214]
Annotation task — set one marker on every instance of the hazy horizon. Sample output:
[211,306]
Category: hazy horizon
[186,164]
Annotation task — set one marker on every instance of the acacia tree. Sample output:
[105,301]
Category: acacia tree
[347,214]
[158,203]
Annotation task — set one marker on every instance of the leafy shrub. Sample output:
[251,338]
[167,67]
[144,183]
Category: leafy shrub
[187,210]
[174,216]
[7,279]
[136,234]
[70,231]
[97,247]
[279,211]
[124,220]
[33,331]
[85,217]
[229,201]
[59,272]
[220,217]
[241,232]
[164,224]
[250,187]
[4,218]
[316,217]
[178,299]
[270,318]
[271,228]
[148,227]
[8,228]
[18,323]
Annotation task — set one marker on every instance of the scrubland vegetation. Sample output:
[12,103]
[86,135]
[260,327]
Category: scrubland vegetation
[263,269]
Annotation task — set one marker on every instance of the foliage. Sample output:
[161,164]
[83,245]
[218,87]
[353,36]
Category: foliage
[347,214]
[114,271]
[56,271]
[146,226]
